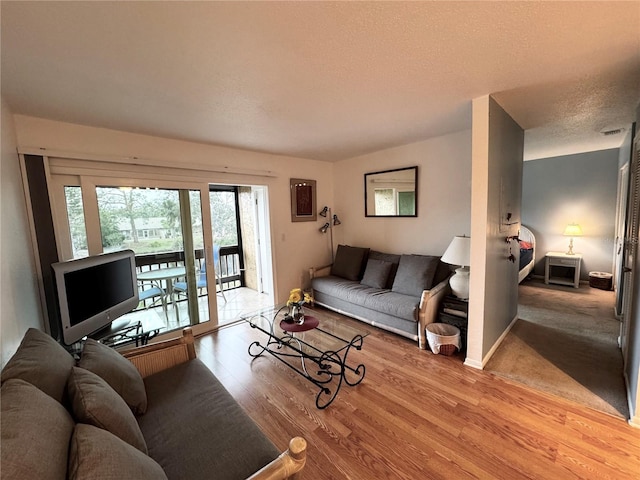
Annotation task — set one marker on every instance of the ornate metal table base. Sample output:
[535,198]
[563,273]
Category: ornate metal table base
[325,369]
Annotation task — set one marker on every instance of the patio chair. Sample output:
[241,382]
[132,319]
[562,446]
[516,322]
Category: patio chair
[147,290]
[201,281]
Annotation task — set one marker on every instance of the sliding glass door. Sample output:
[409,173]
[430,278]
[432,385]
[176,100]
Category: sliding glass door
[169,229]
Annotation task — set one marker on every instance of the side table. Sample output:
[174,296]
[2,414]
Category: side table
[454,311]
[560,259]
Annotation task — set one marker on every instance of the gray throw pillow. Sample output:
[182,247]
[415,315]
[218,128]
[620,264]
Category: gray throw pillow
[349,262]
[415,274]
[376,273]
[117,371]
[96,453]
[387,257]
[36,431]
[96,403]
[42,362]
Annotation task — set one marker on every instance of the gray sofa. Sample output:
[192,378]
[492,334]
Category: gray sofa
[155,412]
[398,293]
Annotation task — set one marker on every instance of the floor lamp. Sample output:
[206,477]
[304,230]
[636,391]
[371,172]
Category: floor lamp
[328,226]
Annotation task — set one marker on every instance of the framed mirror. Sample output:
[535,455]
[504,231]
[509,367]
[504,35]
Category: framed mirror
[391,193]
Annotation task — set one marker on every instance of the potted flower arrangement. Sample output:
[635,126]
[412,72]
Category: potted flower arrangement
[297,298]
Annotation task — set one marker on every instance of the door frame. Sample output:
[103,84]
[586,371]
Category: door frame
[116,177]
[621,219]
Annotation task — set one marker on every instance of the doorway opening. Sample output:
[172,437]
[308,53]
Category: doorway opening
[242,249]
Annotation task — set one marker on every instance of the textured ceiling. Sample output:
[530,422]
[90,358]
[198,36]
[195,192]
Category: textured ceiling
[326,80]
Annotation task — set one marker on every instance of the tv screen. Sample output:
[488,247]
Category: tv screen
[94,291]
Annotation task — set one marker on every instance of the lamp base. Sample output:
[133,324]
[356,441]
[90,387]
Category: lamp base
[460,283]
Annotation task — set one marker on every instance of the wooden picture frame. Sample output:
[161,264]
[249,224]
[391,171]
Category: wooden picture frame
[303,200]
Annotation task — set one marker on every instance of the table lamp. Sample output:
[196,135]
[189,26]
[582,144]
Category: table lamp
[459,253]
[572,230]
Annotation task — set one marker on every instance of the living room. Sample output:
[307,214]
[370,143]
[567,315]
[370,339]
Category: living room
[457,188]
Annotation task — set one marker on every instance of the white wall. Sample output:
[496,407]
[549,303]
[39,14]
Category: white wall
[498,143]
[19,296]
[444,197]
[296,246]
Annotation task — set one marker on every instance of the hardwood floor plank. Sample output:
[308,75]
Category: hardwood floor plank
[588,466]
[421,416]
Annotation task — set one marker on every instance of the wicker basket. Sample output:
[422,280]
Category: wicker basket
[448,350]
[601,280]
[442,338]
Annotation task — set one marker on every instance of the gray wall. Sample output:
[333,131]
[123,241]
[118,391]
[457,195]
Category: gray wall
[506,146]
[579,188]
[497,149]
[19,292]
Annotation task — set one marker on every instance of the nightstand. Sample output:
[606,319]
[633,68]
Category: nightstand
[559,259]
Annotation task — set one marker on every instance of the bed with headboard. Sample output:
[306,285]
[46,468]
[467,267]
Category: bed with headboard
[527,252]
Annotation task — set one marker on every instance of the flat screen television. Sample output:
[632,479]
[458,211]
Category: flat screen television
[94,291]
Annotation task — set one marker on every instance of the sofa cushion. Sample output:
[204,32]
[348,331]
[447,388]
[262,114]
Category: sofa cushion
[443,271]
[415,274]
[349,262]
[387,257]
[42,362]
[36,430]
[196,430]
[96,403]
[376,273]
[348,290]
[96,453]
[394,304]
[117,371]
[380,300]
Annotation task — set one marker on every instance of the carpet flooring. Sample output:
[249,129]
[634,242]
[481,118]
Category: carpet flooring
[565,343]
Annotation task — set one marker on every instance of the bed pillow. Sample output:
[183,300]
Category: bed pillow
[376,273]
[415,274]
[42,362]
[117,371]
[94,402]
[349,262]
[96,453]
[526,245]
[36,431]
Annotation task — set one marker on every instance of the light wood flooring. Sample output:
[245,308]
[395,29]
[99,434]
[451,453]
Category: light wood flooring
[422,416]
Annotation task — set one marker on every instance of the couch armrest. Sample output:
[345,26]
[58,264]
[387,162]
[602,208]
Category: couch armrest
[319,271]
[155,357]
[287,465]
[428,313]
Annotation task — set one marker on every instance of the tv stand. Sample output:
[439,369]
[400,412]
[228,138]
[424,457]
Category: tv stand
[124,332]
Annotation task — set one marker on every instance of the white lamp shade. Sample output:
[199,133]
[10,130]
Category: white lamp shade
[573,230]
[458,252]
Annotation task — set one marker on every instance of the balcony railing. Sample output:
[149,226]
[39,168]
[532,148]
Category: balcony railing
[230,268]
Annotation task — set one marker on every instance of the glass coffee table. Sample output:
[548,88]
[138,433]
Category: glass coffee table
[317,349]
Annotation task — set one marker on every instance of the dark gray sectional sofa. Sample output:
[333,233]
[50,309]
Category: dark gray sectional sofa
[398,293]
[158,413]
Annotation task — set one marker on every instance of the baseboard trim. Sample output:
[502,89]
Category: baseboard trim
[473,364]
[495,346]
[634,419]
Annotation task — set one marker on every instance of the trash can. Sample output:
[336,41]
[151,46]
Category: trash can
[601,280]
[443,339]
